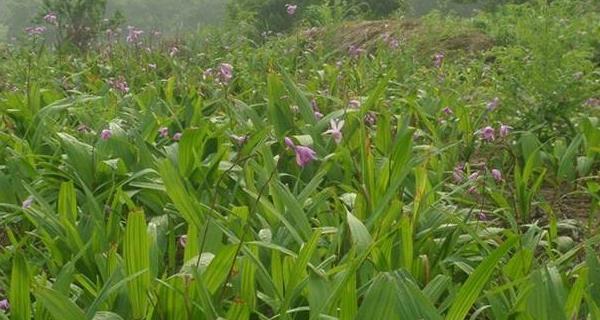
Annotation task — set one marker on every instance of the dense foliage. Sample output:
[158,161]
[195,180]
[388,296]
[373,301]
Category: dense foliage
[434,168]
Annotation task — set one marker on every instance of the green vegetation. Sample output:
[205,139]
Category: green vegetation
[410,168]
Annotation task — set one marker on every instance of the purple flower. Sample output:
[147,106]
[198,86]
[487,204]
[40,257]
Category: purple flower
[355,51]
[458,174]
[173,51]
[105,134]
[474,176]
[163,132]
[119,84]
[493,104]
[438,60]
[504,130]
[177,136]
[497,175]
[482,216]
[35,31]
[336,130]
[592,102]
[304,155]
[4,305]
[487,133]
[318,115]
[370,118]
[291,9]
[27,203]
[448,111]
[289,143]
[354,104]
[51,18]
[225,72]
[134,34]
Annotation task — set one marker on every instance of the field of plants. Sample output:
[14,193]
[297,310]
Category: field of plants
[410,168]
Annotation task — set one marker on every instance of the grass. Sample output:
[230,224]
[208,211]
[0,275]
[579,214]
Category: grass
[191,205]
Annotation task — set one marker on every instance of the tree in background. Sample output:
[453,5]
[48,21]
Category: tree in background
[78,22]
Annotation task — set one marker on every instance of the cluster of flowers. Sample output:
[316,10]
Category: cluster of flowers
[223,74]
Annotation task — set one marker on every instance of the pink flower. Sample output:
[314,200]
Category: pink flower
[370,118]
[487,133]
[51,18]
[497,175]
[119,84]
[134,34]
[177,136]
[304,155]
[4,305]
[438,60]
[163,132]
[291,9]
[493,104]
[27,203]
[448,111]
[355,51]
[592,102]
[105,134]
[35,31]
[225,72]
[173,51]
[458,174]
[336,130]
[504,130]
[474,176]
[482,216]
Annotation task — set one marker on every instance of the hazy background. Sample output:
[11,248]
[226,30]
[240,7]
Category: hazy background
[176,16]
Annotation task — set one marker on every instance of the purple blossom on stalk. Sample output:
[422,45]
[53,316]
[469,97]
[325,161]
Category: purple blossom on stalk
[504,130]
[35,31]
[163,132]
[487,133]
[119,84]
[448,111]
[27,203]
[304,154]
[438,60]
[177,136]
[291,9]
[497,175]
[370,118]
[105,134]
[482,216]
[355,51]
[474,176]
[592,102]
[318,115]
[51,18]
[173,51]
[225,72]
[134,34]
[458,174]
[4,305]
[336,130]
[493,104]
